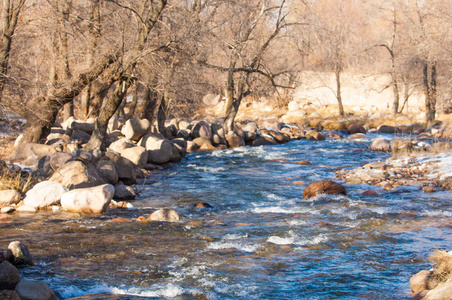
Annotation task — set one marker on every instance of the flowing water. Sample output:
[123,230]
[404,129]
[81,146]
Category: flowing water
[260,240]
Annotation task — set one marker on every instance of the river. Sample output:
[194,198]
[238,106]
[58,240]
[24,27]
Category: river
[260,240]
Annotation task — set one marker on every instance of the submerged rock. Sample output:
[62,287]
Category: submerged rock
[164,215]
[323,187]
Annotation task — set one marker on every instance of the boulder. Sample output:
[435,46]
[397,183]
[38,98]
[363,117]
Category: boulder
[124,192]
[26,209]
[107,170]
[272,123]
[76,174]
[124,168]
[85,126]
[121,144]
[9,276]
[45,193]
[192,146]
[183,133]
[279,137]
[204,143]
[18,254]
[420,281]
[81,136]
[137,155]
[380,144]
[58,159]
[202,129]
[314,135]
[88,200]
[9,295]
[134,128]
[251,127]
[160,150]
[355,128]
[323,187]
[31,150]
[9,197]
[263,140]
[34,290]
[441,292]
[234,140]
[386,129]
[357,136]
[164,215]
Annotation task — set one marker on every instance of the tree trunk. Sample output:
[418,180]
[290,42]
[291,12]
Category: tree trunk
[430,91]
[338,92]
[161,118]
[42,111]
[10,18]
[133,105]
[396,100]
[232,104]
[150,104]
[97,140]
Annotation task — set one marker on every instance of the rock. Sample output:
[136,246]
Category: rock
[9,276]
[386,129]
[203,205]
[181,146]
[279,137]
[107,170]
[441,292]
[357,136]
[45,193]
[160,150]
[356,128]
[263,140]
[249,136]
[58,159]
[134,129]
[7,210]
[250,126]
[124,192]
[8,197]
[164,215]
[323,187]
[420,281]
[428,189]
[88,200]
[192,146]
[314,135]
[445,183]
[124,168]
[76,174]
[204,143]
[211,100]
[303,162]
[34,290]
[31,150]
[81,136]
[202,129]
[137,155]
[371,193]
[386,186]
[272,123]
[87,126]
[121,144]
[18,254]
[380,144]
[9,295]
[26,209]
[234,140]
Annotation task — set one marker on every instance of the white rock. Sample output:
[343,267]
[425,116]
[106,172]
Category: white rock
[8,197]
[88,200]
[26,209]
[45,193]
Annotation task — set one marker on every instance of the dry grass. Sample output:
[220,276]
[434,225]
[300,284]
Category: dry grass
[17,182]
[442,265]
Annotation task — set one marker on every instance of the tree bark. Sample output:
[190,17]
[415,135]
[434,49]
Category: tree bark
[429,72]
[10,18]
[97,140]
[338,91]
[150,104]
[42,111]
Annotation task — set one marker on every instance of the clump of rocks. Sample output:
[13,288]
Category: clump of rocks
[434,284]
[11,285]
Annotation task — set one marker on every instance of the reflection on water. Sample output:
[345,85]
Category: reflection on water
[260,240]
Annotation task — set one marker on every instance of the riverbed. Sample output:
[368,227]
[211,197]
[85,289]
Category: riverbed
[260,239]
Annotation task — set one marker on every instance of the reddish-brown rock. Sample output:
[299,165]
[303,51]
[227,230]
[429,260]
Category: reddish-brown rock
[356,128]
[323,187]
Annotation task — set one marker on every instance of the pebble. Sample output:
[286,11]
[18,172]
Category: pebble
[7,210]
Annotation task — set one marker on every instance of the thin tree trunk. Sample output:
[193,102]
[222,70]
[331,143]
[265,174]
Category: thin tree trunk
[100,131]
[150,104]
[133,105]
[338,92]
[430,91]
[10,18]
[42,111]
